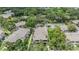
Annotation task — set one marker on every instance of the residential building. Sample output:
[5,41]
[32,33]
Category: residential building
[73,37]
[7,14]
[20,24]
[40,34]
[21,33]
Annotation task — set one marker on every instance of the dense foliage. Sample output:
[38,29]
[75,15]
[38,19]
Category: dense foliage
[31,21]
[39,47]
[8,24]
[59,14]
[57,39]
[19,45]
[71,27]
[32,17]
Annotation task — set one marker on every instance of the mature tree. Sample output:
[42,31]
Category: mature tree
[31,21]
[8,24]
[57,39]
[31,11]
[4,46]
[59,14]
[19,45]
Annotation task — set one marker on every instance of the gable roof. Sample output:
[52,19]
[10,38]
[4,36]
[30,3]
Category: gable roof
[19,34]
[40,33]
[61,25]
[74,36]
[7,14]
[75,21]
[21,23]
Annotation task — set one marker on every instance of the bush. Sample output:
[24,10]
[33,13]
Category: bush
[71,27]
[39,47]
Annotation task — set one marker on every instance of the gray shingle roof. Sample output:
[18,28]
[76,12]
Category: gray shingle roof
[40,33]
[7,14]
[74,36]
[20,23]
[75,21]
[61,25]
[22,33]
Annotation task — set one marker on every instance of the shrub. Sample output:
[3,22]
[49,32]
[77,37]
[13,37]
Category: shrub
[71,27]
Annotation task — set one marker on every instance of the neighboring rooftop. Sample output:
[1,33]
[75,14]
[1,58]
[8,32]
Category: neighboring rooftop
[75,21]
[21,23]
[24,17]
[7,14]
[22,33]
[73,37]
[40,33]
[61,25]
